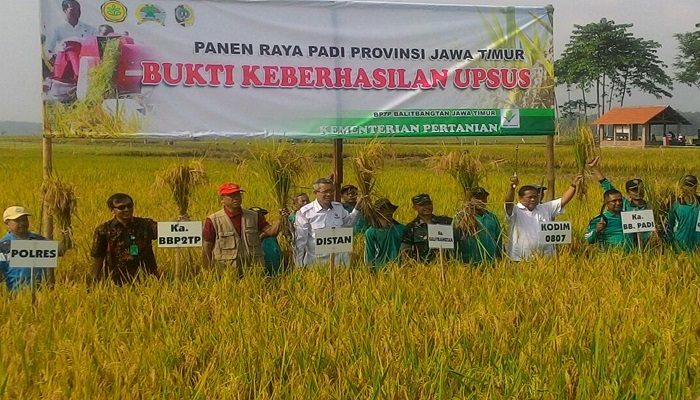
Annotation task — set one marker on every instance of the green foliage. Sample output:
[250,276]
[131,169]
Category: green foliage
[605,57]
[688,59]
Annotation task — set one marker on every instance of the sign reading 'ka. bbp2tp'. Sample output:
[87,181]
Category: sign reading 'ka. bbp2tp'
[306,68]
[180,234]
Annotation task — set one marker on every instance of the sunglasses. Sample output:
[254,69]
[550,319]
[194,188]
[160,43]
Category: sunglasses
[123,207]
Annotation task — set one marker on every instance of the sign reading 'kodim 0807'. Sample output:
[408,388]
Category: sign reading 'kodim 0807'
[336,69]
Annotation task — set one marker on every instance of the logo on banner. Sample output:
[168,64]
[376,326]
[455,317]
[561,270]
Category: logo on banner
[510,118]
[184,15]
[113,11]
[150,13]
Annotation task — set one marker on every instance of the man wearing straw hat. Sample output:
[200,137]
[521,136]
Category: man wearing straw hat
[682,224]
[414,244]
[483,242]
[526,215]
[232,234]
[16,219]
[606,228]
[122,248]
[321,213]
[348,197]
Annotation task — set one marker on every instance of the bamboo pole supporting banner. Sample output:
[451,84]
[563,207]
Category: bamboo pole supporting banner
[550,167]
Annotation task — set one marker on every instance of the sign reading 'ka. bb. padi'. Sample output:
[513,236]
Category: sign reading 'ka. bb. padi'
[441,237]
[555,232]
[180,234]
[638,221]
[333,240]
[33,253]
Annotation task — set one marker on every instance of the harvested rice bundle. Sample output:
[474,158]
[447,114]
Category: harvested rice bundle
[584,149]
[366,164]
[468,170]
[181,179]
[60,196]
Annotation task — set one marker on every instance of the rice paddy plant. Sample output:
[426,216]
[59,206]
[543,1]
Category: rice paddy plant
[366,165]
[584,149]
[63,204]
[180,180]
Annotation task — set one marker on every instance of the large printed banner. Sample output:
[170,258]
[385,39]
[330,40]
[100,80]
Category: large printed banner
[333,69]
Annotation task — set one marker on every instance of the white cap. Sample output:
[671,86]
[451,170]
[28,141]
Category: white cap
[14,212]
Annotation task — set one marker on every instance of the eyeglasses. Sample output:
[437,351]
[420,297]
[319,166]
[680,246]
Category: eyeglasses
[123,207]
[329,191]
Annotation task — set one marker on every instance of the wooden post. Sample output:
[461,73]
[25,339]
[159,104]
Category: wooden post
[337,166]
[550,167]
[47,218]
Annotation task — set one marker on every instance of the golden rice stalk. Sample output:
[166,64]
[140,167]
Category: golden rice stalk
[101,76]
[584,149]
[180,180]
[60,196]
[368,161]
[658,199]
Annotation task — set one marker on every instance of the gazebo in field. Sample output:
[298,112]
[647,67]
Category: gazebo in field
[632,126]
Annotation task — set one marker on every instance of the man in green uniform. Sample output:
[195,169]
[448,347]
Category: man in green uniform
[682,224]
[414,244]
[383,243]
[348,197]
[485,243]
[606,228]
[634,188]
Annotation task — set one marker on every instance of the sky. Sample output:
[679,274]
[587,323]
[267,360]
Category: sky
[20,69]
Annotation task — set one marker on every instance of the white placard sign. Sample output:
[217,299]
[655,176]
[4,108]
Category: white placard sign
[555,232]
[638,221]
[180,234]
[33,253]
[333,240]
[441,237]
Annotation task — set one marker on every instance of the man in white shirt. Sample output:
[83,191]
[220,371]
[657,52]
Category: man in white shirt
[525,216]
[320,214]
[71,29]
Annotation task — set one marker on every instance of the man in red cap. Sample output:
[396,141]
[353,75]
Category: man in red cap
[232,234]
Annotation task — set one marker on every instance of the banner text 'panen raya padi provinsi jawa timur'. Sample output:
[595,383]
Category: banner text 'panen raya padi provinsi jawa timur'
[336,69]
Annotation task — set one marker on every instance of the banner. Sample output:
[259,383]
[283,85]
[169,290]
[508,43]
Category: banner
[312,69]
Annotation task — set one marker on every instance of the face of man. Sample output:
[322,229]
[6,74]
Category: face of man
[479,202]
[123,210]
[530,199]
[350,196]
[72,12]
[301,201]
[614,203]
[636,193]
[232,201]
[324,194]
[424,209]
[18,227]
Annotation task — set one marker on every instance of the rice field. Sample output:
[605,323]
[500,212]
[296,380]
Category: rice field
[587,325]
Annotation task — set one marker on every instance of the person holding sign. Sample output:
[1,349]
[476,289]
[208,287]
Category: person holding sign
[383,243]
[16,219]
[270,247]
[414,244]
[485,243]
[122,247]
[682,226]
[526,215]
[322,213]
[232,234]
[606,228]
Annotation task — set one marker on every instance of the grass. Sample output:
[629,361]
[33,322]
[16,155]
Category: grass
[594,325]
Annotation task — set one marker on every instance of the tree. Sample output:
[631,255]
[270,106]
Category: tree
[605,58]
[688,60]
